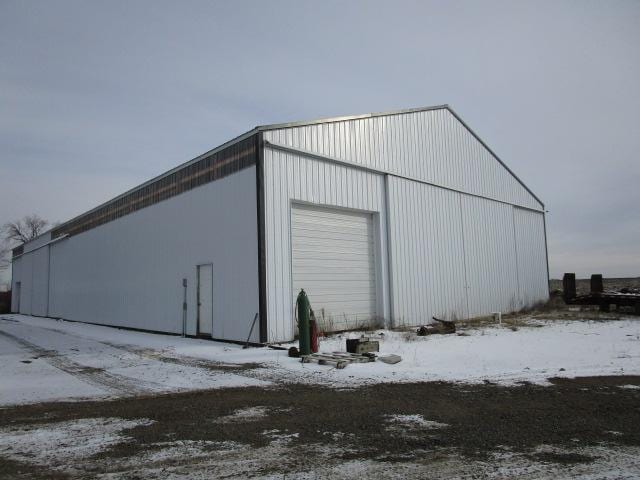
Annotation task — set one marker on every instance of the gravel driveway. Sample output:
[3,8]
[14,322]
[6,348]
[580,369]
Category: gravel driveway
[579,427]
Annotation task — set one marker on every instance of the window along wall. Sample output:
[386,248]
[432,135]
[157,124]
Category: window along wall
[208,169]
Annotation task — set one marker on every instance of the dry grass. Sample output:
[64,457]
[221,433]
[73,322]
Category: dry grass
[553,309]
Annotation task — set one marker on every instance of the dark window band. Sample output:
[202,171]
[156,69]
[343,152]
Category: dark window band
[208,169]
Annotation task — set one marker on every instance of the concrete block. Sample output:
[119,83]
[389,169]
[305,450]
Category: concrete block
[390,359]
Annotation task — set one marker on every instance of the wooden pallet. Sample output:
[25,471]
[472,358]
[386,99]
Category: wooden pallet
[338,359]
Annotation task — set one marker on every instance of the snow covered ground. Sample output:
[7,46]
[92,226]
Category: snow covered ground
[43,359]
[532,353]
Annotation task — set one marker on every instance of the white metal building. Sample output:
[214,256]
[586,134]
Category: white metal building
[393,217]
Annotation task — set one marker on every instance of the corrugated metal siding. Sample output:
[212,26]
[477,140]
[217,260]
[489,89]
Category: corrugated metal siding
[129,272]
[333,259]
[16,276]
[39,281]
[426,252]
[451,255]
[26,283]
[457,256]
[293,178]
[37,242]
[490,256]
[531,254]
[432,146]
[31,269]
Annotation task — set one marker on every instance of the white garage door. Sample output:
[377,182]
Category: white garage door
[333,259]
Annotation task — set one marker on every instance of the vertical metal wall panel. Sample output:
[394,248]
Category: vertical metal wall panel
[31,269]
[291,178]
[426,251]
[17,270]
[39,280]
[26,283]
[531,255]
[457,256]
[490,256]
[37,242]
[129,272]
[432,146]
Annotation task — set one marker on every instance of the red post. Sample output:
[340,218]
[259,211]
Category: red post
[314,336]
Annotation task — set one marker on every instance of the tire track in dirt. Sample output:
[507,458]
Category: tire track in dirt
[160,356]
[114,383]
[250,370]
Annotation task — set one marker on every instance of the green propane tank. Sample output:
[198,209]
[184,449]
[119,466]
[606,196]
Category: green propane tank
[303,323]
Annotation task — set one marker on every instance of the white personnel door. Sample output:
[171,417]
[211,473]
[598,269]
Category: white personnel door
[333,259]
[205,299]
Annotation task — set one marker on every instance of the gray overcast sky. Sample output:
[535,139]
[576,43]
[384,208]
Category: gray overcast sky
[96,97]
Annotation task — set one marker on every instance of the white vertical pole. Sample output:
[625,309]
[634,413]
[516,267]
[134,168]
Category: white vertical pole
[184,308]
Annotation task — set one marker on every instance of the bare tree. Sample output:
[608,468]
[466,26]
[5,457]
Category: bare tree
[20,231]
[25,229]
[5,256]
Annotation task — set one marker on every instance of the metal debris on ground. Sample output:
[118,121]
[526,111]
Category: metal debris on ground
[338,359]
[362,345]
[442,327]
[294,352]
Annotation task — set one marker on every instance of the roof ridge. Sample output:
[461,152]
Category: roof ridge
[342,118]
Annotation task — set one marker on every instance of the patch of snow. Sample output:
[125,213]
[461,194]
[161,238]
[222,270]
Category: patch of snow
[415,421]
[607,462]
[278,437]
[630,387]
[224,460]
[244,415]
[182,449]
[339,436]
[56,444]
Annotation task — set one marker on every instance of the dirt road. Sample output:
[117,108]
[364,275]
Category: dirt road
[439,430]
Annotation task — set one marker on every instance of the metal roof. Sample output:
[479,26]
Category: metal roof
[277,126]
[445,106]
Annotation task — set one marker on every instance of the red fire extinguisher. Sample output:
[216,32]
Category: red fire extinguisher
[313,333]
